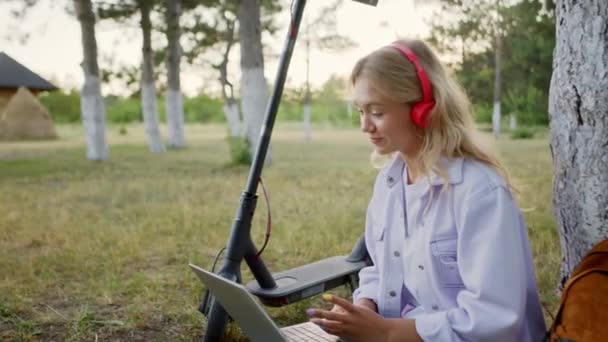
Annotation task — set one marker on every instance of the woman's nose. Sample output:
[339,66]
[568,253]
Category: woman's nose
[366,124]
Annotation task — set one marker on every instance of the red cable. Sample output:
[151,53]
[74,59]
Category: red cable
[269,220]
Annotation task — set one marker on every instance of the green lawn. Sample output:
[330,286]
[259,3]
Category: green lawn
[99,250]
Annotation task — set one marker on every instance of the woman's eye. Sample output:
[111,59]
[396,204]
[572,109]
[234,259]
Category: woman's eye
[377,114]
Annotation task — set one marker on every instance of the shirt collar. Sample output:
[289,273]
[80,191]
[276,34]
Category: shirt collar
[394,170]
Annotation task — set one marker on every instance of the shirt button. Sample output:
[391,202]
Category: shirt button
[435,307]
[421,267]
[396,253]
[392,293]
[390,180]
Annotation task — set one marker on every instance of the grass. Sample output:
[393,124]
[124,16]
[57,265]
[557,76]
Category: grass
[96,250]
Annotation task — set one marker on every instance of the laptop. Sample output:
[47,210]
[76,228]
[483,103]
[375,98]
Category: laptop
[252,318]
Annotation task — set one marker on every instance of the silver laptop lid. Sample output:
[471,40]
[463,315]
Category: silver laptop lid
[241,306]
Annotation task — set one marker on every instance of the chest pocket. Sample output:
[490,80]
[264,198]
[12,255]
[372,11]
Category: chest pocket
[445,258]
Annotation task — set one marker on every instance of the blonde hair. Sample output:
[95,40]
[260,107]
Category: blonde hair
[450,130]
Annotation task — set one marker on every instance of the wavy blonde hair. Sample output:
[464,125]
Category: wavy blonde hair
[450,130]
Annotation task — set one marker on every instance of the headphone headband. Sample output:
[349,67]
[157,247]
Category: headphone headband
[425,83]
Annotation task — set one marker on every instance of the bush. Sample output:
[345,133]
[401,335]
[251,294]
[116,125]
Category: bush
[64,107]
[290,110]
[239,151]
[522,133]
[530,104]
[203,108]
[482,113]
[123,110]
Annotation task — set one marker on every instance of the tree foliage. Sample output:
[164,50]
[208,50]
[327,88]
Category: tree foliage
[463,31]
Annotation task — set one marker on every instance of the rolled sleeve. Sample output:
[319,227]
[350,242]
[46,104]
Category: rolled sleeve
[492,265]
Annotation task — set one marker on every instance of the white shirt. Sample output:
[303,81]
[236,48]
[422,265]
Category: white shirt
[457,261]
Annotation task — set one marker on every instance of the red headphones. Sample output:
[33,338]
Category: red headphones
[420,110]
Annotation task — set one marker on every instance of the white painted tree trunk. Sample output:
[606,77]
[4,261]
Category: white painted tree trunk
[578,112]
[496,112]
[148,90]
[231,112]
[150,113]
[307,122]
[254,92]
[175,118]
[92,107]
[496,115]
[512,122]
[174,104]
[93,113]
[254,97]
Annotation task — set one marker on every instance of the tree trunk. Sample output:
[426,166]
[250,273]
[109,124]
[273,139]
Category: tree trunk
[513,121]
[254,92]
[231,112]
[231,107]
[174,104]
[578,112]
[496,112]
[148,91]
[91,102]
[307,121]
[307,96]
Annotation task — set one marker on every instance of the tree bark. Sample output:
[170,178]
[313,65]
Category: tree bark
[578,113]
[307,96]
[231,107]
[496,112]
[231,112]
[92,107]
[148,90]
[254,91]
[174,102]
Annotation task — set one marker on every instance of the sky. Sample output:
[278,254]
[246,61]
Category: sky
[54,48]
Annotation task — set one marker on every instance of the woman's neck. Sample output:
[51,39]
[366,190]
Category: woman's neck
[413,168]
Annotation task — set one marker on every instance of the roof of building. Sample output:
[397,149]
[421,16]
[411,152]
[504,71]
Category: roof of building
[14,75]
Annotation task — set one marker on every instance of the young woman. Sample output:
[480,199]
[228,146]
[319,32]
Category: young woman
[450,251]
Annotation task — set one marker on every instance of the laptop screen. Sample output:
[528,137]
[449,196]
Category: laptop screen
[241,306]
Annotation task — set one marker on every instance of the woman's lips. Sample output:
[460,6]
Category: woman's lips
[376,141]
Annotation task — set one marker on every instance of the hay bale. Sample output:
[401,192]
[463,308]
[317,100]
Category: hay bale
[25,118]
[3,102]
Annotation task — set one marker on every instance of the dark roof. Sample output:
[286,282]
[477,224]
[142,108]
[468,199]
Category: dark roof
[14,75]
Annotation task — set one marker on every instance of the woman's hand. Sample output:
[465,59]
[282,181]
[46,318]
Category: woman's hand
[359,322]
[368,303]
[353,322]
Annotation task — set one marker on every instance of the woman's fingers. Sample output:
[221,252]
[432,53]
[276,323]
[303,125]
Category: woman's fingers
[331,327]
[343,303]
[333,316]
[338,308]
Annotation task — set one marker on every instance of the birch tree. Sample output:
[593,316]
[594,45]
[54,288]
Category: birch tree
[122,11]
[578,112]
[174,101]
[92,106]
[321,33]
[148,89]
[254,89]
[210,33]
[231,107]
[496,109]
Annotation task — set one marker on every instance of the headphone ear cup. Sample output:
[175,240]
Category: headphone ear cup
[420,112]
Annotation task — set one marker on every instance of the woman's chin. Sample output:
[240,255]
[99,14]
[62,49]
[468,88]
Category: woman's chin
[383,150]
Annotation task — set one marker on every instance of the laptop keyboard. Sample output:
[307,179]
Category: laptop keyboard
[307,332]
